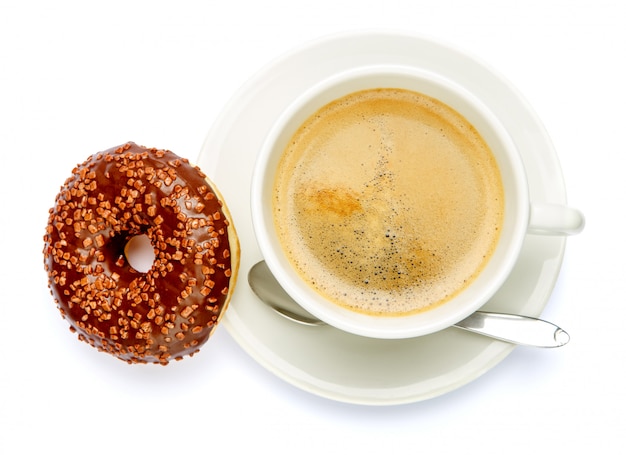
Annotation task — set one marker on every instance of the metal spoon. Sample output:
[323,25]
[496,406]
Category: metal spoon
[522,330]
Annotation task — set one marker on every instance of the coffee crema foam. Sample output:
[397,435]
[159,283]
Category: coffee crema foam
[388,202]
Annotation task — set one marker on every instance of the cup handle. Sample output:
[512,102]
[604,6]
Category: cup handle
[555,219]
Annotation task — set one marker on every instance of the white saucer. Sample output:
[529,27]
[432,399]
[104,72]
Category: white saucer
[326,361]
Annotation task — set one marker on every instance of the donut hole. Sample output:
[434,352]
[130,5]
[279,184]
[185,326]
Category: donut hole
[139,253]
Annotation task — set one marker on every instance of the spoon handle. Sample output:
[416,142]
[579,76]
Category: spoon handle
[522,330]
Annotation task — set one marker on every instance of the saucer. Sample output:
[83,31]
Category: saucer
[326,361]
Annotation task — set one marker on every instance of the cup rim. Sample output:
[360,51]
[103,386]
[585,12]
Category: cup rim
[422,323]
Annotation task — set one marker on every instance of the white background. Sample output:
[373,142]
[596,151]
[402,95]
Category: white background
[76,79]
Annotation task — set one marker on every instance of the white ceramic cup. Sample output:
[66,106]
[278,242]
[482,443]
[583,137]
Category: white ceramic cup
[521,218]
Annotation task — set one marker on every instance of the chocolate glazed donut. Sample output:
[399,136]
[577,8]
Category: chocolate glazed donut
[172,309]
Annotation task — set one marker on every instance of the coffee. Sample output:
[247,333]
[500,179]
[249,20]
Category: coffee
[388,202]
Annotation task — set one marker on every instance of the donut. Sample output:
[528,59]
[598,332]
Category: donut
[171,310]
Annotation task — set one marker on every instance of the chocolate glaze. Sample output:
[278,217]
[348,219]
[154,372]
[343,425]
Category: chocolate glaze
[171,310]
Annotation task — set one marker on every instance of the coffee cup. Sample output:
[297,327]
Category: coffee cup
[390,202]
